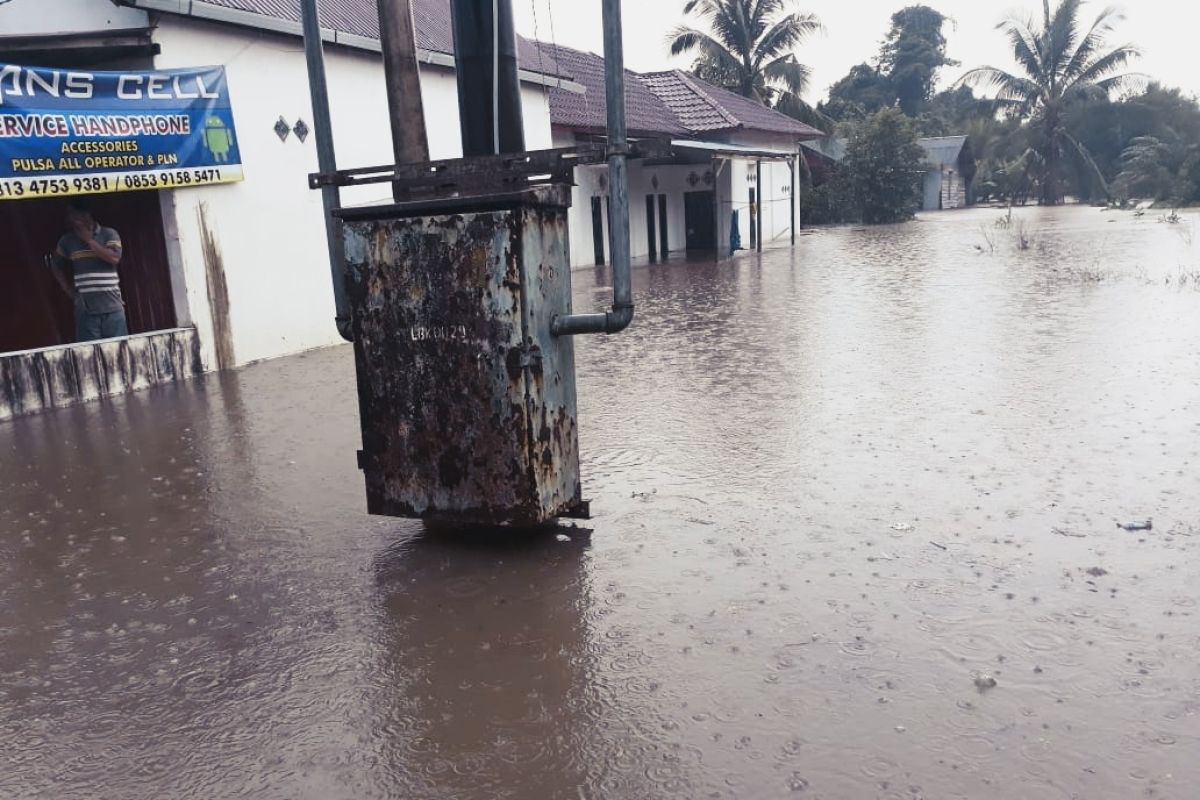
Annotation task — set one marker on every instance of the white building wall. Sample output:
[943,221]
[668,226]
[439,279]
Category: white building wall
[270,228]
[42,17]
[775,197]
[731,182]
[779,195]
[672,181]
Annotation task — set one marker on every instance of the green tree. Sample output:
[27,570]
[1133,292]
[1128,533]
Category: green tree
[1189,177]
[951,112]
[1059,64]
[912,54]
[863,91]
[1145,170]
[749,46]
[885,166]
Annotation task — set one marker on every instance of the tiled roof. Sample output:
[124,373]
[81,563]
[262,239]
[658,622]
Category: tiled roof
[704,108]
[646,114]
[361,18]
[660,103]
[692,105]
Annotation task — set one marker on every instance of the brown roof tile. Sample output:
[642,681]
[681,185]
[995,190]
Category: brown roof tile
[361,18]
[705,108]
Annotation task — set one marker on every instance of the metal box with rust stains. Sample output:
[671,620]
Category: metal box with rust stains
[467,400]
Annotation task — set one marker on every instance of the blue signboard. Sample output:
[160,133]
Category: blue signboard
[67,132]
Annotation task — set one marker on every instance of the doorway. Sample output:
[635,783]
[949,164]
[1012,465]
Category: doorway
[598,230]
[664,240]
[700,219]
[35,312]
[651,227]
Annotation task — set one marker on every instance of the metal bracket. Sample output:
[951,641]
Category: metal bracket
[486,173]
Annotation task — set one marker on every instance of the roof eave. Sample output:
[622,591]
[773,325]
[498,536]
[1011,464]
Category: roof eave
[198,9]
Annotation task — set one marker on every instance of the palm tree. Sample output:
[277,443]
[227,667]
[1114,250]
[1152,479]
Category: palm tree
[750,46]
[1060,63]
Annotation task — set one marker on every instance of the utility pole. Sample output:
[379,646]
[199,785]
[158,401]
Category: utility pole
[489,86]
[397,37]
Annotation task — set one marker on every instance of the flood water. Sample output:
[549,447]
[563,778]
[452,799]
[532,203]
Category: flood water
[838,491]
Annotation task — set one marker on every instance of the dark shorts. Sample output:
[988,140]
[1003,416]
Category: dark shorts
[107,325]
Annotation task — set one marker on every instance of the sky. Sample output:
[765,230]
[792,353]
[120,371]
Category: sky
[1164,29]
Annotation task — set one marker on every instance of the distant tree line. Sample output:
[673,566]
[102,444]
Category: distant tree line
[1069,121]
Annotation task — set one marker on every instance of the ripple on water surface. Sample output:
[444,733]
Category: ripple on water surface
[833,487]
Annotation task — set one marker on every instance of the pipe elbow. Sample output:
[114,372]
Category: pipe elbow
[620,318]
[345,328]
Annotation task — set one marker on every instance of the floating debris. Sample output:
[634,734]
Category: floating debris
[903,527]
[939,546]
[1097,572]
[984,682]
[1142,525]
[1068,533]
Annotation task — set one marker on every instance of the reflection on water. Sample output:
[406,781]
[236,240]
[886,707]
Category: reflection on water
[833,487]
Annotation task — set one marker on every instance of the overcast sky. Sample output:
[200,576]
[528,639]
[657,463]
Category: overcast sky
[1164,29]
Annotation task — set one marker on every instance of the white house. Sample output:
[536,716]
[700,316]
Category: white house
[237,271]
[225,275]
[951,169]
[686,203]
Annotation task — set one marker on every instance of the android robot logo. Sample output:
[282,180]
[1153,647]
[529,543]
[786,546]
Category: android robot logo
[218,139]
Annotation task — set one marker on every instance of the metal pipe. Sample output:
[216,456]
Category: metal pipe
[402,76]
[314,53]
[621,315]
[489,83]
[761,206]
[793,196]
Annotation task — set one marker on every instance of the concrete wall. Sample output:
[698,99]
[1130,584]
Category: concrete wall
[265,237]
[672,181]
[778,197]
[24,17]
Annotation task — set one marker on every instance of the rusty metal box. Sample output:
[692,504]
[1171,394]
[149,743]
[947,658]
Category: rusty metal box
[467,400]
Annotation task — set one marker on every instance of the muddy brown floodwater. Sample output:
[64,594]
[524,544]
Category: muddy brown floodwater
[839,492]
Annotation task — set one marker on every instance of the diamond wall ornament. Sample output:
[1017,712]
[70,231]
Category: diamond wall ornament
[301,130]
[654,182]
[603,182]
[282,129]
[708,178]
[693,179]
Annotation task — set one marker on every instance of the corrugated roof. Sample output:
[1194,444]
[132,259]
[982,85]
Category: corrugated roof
[704,108]
[646,113]
[943,149]
[434,32]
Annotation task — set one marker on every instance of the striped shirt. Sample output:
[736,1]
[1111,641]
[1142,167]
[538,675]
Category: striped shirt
[97,283]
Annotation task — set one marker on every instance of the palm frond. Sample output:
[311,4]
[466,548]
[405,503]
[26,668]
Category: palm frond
[701,8]
[1104,67]
[784,36]
[1093,41]
[789,72]
[1025,46]
[1060,39]
[683,39]
[730,25]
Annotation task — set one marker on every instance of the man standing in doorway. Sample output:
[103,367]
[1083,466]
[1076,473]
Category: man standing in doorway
[85,265]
